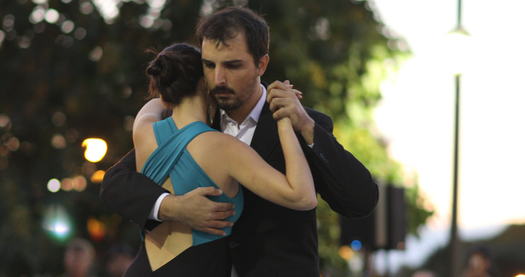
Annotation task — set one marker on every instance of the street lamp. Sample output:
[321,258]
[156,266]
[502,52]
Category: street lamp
[458,37]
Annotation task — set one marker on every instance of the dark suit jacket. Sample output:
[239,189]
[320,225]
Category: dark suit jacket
[267,240]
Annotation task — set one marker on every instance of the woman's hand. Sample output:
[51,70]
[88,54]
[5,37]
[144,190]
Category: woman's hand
[284,102]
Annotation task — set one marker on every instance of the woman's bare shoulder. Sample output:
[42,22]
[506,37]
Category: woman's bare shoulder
[215,138]
[144,142]
[218,142]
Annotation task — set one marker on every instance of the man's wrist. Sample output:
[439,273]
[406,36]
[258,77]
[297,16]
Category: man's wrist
[168,208]
[154,213]
[307,131]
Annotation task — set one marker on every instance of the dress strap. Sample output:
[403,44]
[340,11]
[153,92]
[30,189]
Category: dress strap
[171,144]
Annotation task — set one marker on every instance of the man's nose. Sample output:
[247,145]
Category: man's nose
[220,76]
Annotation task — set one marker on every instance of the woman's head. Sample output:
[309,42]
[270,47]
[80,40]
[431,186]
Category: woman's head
[175,72]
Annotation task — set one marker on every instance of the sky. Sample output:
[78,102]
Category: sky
[417,109]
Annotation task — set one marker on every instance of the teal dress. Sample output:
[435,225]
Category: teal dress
[172,159]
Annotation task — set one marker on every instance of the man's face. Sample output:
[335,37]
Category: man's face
[232,76]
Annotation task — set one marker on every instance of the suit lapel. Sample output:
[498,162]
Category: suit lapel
[265,137]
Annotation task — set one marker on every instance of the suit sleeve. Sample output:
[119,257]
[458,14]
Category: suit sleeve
[341,180]
[129,193]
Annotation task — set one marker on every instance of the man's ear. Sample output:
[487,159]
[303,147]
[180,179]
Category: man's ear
[263,64]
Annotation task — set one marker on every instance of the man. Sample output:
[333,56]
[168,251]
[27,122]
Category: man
[268,240]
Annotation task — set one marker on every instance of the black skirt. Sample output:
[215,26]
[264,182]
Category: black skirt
[208,259]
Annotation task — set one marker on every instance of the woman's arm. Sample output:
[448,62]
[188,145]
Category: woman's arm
[149,113]
[295,190]
[143,140]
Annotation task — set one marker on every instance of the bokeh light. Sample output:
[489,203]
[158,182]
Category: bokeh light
[67,184]
[51,16]
[12,144]
[67,26]
[96,229]
[98,176]
[356,245]
[4,119]
[37,15]
[345,252]
[79,183]
[58,141]
[53,185]
[96,149]
[57,223]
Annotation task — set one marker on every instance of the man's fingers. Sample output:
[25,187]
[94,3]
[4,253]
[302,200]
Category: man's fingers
[280,113]
[280,85]
[222,207]
[277,103]
[212,231]
[218,224]
[278,93]
[277,84]
[298,93]
[222,215]
[211,191]
[283,93]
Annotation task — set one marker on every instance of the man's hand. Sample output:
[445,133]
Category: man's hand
[197,211]
[284,102]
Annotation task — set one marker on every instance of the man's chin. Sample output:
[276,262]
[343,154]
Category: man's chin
[227,105]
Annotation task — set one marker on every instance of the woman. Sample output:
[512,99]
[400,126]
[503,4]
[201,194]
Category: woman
[182,152]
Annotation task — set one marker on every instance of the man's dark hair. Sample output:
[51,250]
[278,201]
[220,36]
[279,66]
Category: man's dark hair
[225,24]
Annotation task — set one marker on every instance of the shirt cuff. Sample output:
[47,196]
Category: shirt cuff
[154,213]
[311,146]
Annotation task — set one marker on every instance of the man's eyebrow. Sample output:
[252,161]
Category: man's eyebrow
[233,61]
[237,61]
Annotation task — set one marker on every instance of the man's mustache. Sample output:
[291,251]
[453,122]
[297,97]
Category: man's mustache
[221,90]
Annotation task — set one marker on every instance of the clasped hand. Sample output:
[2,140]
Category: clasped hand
[284,102]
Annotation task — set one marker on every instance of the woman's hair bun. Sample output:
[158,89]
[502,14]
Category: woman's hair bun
[175,72]
[155,68]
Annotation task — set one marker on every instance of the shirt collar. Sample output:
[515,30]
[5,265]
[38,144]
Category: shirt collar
[255,113]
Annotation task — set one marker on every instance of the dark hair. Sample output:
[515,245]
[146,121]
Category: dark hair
[480,250]
[175,72]
[225,24]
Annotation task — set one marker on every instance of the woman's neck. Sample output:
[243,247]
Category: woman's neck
[189,110]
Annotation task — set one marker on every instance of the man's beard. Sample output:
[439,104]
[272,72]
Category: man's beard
[227,104]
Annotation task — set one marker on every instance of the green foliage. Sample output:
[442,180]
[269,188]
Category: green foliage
[62,83]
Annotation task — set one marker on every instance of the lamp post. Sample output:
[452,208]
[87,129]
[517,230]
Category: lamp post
[459,34]
[453,241]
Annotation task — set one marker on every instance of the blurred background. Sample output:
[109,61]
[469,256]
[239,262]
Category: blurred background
[427,94]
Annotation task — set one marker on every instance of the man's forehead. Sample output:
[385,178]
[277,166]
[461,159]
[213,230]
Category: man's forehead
[216,45]
[235,47]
